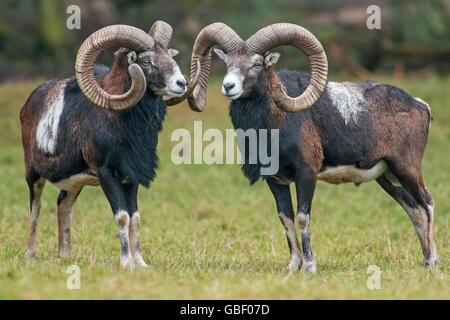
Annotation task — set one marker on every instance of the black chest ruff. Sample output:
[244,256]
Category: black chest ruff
[251,114]
[137,152]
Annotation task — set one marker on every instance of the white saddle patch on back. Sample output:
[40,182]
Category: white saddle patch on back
[350,173]
[47,130]
[347,98]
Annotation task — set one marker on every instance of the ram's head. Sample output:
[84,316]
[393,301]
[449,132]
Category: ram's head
[247,60]
[147,57]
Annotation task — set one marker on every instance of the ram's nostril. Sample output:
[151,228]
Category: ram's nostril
[228,86]
[181,83]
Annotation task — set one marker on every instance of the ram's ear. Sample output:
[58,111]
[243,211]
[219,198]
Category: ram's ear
[222,55]
[173,52]
[121,56]
[131,57]
[270,59]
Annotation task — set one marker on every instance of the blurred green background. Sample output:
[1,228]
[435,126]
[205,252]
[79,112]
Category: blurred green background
[414,35]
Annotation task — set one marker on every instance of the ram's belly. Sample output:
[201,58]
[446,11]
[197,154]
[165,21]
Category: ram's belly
[350,173]
[77,181]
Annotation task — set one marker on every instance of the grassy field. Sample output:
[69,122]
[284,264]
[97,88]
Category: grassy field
[207,234]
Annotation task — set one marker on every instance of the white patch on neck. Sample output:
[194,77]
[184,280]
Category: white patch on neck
[47,130]
[347,98]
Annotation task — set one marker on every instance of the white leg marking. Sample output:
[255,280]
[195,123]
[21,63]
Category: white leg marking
[434,259]
[296,254]
[424,230]
[309,262]
[123,221]
[309,266]
[303,221]
[47,130]
[418,218]
[135,245]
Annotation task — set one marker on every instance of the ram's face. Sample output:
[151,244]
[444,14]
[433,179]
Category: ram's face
[244,69]
[162,72]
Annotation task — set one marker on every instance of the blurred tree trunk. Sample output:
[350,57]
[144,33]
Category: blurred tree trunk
[51,24]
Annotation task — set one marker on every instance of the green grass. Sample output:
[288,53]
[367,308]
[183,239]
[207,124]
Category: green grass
[207,234]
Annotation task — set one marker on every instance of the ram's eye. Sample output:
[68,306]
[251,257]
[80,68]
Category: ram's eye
[146,63]
[257,65]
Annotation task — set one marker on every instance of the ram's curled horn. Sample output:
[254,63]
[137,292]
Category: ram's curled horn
[161,32]
[214,34]
[290,34]
[108,37]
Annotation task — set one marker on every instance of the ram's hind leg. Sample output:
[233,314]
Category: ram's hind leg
[36,186]
[66,200]
[418,204]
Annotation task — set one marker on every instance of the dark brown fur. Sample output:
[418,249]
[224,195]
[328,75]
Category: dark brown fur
[389,125]
[93,145]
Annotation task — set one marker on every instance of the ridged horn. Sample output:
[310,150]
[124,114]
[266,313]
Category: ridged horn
[214,34]
[107,37]
[280,34]
[161,32]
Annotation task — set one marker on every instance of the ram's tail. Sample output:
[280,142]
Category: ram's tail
[427,105]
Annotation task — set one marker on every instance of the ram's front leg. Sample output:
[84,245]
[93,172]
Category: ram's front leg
[131,190]
[305,185]
[283,201]
[114,191]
